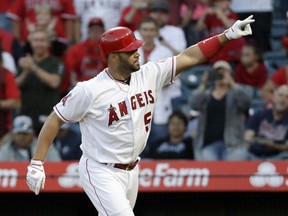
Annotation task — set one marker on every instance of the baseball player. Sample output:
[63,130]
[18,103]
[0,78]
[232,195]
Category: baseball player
[115,109]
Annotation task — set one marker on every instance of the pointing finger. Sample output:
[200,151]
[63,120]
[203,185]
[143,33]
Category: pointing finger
[248,18]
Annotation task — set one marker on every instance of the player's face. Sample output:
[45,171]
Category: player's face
[129,61]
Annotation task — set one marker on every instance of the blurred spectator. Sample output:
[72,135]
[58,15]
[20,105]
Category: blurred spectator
[39,79]
[23,143]
[279,77]
[108,10]
[222,115]
[261,10]
[9,98]
[267,130]
[175,145]
[68,143]
[45,20]
[216,20]
[132,15]
[175,8]
[170,36]
[251,69]
[190,16]
[83,60]
[5,23]
[23,15]
[11,45]
[151,51]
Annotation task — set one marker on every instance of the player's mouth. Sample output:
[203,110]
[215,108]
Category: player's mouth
[136,63]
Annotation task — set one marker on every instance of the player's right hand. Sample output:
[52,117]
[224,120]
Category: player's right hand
[35,177]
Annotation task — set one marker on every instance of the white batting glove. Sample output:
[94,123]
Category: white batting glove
[240,28]
[35,177]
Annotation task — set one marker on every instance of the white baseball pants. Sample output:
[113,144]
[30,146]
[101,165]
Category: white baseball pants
[112,191]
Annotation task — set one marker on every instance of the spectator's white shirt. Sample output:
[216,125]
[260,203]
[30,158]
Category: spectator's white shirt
[174,36]
[243,6]
[108,10]
[8,62]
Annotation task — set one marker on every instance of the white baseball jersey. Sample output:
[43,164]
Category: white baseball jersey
[114,117]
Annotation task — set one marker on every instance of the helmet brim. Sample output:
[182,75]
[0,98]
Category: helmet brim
[133,46]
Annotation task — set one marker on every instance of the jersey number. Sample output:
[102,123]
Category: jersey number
[147,120]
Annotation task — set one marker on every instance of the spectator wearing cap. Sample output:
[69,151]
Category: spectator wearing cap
[133,14]
[67,142]
[83,60]
[22,145]
[222,115]
[39,78]
[9,98]
[172,37]
[217,19]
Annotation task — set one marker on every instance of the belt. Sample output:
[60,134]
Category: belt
[127,167]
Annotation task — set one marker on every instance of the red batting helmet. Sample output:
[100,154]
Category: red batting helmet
[119,39]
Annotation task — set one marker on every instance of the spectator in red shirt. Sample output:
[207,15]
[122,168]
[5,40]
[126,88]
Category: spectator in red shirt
[9,98]
[251,69]
[217,19]
[175,7]
[22,10]
[83,60]
[132,15]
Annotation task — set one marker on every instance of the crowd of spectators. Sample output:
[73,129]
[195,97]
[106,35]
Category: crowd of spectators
[47,46]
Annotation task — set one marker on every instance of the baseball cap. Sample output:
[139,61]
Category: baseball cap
[160,5]
[96,21]
[22,124]
[222,64]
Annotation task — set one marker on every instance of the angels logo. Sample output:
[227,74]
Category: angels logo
[137,101]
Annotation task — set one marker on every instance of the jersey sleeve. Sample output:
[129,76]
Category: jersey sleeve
[74,106]
[165,71]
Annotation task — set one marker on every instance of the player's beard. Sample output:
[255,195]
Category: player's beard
[127,66]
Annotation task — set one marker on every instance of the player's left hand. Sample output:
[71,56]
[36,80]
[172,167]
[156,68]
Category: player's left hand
[240,28]
[35,177]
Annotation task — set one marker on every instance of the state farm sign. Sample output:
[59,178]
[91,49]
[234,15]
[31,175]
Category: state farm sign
[165,175]
[162,176]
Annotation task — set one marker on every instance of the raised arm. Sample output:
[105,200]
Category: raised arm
[204,50]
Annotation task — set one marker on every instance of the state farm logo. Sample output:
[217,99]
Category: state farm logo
[267,175]
[71,177]
[164,175]
[8,177]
